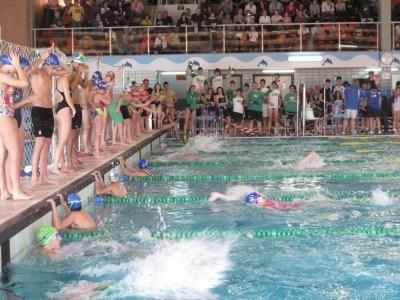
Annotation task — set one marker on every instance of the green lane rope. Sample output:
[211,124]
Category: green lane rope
[272,233]
[225,163]
[262,177]
[139,200]
[334,150]
[74,235]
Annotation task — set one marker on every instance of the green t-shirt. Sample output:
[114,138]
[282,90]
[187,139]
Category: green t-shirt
[256,99]
[290,102]
[230,94]
[191,100]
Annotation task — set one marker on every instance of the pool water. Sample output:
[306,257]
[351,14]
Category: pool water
[231,266]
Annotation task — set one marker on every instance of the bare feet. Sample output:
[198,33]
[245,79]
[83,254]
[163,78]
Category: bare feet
[35,181]
[6,196]
[44,181]
[20,195]
[56,171]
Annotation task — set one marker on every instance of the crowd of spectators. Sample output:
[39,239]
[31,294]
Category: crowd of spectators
[95,13]
[106,13]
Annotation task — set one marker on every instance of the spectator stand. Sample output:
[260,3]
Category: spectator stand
[211,38]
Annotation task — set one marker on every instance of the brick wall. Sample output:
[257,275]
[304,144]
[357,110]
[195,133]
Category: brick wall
[15,21]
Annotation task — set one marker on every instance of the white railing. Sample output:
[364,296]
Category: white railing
[215,39]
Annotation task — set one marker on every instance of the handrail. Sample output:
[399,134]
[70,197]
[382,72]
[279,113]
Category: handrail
[216,38]
[218,25]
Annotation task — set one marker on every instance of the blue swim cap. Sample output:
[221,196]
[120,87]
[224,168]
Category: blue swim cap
[6,60]
[96,77]
[74,201]
[99,199]
[123,178]
[102,86]
[18,95]
[252,198]
[52,60]
[142,164]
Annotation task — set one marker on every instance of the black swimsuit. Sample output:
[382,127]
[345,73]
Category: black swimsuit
[63,103]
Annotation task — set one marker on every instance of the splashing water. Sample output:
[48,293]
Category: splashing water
[240,191]
[205,144]
[186,269]
[162,225]
[381,198]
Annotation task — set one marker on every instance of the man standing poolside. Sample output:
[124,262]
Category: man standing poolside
[351,101]
[75,81]
[43,70]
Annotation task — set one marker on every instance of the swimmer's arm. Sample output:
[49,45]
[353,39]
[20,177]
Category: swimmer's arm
[214,196]
[25,101]
[20,82]
[57,221]
[64,204]
[62,70]
[37,64]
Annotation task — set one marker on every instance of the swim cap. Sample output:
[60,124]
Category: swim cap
[79,58]
[124,178]
[18,95]
[111,75]
[74,201]
[6,60]
[142,164]
[97,76]
[102,85]
[252,198]
[52,60]
[45,234]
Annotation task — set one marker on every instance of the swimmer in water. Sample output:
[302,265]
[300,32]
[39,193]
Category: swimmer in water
[76,218]
[311,161]
[187,157]
[255,198]
[115,188]
[49,238]
[128,171]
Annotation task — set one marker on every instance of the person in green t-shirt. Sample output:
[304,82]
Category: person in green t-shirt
[290,105]
[254,110]
[190,113]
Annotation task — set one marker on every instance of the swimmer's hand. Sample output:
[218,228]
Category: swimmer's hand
[214,196]
[52,202]
[62,200]
[44,55]
[73,112]
[14,59]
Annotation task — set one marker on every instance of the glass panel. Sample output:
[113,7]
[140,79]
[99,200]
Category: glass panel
[396,36]
[129,41]
[208,39]
[60,37]
[320,37]
[358,37]
[281,38]
[199,40]
[242,38]
[167,40]
[93,41]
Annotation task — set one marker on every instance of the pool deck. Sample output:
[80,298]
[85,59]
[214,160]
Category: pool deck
[15,215]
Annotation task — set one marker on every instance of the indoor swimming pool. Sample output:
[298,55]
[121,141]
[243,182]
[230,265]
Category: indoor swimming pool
[166,241]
